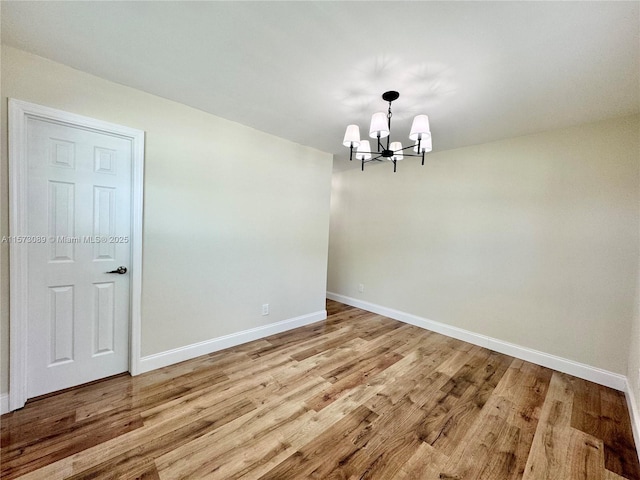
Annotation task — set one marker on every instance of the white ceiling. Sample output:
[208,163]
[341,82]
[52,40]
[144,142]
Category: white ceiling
[482,71]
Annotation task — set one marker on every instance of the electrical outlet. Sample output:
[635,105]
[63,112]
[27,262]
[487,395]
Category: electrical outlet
[265,309]
[361,287]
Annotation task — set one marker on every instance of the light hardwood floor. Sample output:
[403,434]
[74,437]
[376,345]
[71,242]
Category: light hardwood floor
[359,396]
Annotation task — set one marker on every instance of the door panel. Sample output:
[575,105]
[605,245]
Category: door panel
[104,221]
[79,196]
[104,317]
[61,220]
[61,324]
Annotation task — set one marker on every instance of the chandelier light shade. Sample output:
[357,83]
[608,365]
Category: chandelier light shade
[352,136]
[364,151]
[396,147]
[381,128]
[419,127]
[424,145]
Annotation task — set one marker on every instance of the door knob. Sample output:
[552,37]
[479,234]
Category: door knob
[121,270]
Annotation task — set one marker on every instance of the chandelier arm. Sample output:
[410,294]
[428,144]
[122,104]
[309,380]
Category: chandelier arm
[394,166]
[367,161]
[405,148]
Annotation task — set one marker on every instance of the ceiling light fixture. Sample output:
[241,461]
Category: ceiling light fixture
[381,128]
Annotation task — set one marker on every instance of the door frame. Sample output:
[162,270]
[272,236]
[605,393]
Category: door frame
[19,113]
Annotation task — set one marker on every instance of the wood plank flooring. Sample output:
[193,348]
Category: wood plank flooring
[359,396]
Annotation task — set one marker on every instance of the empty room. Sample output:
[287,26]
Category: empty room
[320,240]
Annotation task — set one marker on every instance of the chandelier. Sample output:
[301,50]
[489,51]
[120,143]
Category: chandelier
[381,128]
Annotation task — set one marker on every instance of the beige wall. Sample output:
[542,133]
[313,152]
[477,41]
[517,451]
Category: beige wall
[233,217]
[531,240]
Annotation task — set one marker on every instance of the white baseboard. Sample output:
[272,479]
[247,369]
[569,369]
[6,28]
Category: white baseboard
[4,403]
[577,369]
[163,359]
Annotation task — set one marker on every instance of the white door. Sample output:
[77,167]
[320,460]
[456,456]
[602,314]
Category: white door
[79,221]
